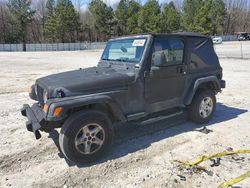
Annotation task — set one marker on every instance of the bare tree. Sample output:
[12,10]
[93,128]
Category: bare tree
[79,4]
[178,4]
[238,17]
[39,19]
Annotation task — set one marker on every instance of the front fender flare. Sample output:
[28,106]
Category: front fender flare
[70,103]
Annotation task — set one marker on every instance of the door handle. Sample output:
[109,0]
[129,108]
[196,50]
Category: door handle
[179,69]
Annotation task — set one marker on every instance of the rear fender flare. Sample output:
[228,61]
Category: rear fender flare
[196,85]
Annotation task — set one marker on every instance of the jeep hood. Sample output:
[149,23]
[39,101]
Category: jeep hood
[86,81]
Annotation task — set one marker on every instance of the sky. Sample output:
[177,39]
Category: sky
[113,3]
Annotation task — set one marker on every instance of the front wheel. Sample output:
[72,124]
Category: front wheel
[202,107]
[85,136]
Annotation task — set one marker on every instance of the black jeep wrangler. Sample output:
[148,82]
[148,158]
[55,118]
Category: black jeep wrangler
[138,77]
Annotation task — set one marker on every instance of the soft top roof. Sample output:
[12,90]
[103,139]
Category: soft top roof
[186,34]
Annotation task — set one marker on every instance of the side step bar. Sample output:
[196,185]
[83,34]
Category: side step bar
[144,117]
[160,118]
[136,116]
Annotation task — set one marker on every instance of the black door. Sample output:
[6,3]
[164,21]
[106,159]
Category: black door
[165,82]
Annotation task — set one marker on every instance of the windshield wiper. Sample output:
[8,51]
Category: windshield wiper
[126,60]
[107,59]
[122,60]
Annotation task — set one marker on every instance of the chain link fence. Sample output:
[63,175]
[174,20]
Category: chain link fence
[236,49]
[52,47]
[228,49]
[228,37]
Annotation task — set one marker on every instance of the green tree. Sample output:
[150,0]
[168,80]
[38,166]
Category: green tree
[189,11]
[149,17]
[217,14]
[9,26]
[22,15]
[133,14]
[50,6]
[67,21]
[50,28]
[103,19]
[196,16]
[170,21]
[203,21]
[64,24]
[121,15]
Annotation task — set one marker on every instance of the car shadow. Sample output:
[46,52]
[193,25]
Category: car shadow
[131,137]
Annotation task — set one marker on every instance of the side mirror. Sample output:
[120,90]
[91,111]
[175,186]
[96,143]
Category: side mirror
[137,66]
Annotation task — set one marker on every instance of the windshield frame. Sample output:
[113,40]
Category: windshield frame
[146,37]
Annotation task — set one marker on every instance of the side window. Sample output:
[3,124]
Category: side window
[168,51]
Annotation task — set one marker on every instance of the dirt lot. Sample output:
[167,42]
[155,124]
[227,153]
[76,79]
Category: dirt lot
[140,158]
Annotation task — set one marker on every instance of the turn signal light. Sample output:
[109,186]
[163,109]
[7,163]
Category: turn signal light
[57,111]
[45,108]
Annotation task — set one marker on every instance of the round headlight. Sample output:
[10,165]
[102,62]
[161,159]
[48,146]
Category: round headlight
[45,96]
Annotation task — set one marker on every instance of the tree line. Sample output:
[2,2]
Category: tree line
[39,21]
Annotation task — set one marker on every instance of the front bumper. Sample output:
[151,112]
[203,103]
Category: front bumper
[36,118]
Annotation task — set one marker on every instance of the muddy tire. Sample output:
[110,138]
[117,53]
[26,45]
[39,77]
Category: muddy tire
[202,107]
[86,136]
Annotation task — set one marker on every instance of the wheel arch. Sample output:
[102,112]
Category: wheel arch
[103,104]
[210,82]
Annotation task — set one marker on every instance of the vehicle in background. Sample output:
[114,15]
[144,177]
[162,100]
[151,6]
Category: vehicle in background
[217,40]
[243,36]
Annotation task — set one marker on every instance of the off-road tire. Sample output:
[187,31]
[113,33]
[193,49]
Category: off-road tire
[194,108]
[71,128]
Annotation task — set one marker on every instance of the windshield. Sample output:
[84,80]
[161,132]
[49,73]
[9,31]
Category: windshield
[125,50]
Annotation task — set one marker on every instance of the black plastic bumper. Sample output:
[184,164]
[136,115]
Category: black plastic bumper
[223,84]
[36,119]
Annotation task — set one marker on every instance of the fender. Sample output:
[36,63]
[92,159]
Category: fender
[197,83]
[79,101]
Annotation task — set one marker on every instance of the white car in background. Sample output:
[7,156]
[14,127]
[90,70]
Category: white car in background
[217,40]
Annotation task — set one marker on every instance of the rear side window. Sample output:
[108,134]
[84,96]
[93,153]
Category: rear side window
[203,52]
[167,51]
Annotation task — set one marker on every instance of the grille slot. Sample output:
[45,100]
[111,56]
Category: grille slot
[40,95]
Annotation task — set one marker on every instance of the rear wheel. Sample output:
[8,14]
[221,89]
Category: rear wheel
[202,107]
[86,136]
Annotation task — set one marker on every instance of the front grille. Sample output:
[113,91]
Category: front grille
[40,95]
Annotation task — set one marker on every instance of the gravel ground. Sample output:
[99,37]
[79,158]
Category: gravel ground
[142,156]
